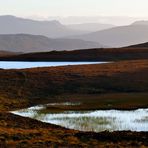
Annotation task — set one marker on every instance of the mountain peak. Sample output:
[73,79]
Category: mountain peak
[7,17]
[15,17]
[10,16]
[143,22]
[54,29]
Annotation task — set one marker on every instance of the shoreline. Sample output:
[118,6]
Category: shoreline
[48,134]
[121,85]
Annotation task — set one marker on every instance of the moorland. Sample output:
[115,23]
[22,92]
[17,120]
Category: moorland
[116,85]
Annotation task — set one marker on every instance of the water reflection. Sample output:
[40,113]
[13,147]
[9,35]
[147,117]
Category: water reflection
[20,65]
[100,120]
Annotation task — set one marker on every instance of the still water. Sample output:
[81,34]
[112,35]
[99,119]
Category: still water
[21,65]
[97,121]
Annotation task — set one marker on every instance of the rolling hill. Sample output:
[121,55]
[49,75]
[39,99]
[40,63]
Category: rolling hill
[110,54]
[15,25]
[140,23]
[142,45]
[121,36]
[37,43]
[8,53]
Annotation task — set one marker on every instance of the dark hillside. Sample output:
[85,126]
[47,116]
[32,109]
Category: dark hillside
[109,54]
[127,76]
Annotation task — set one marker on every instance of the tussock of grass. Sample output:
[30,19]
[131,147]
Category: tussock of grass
[121,85]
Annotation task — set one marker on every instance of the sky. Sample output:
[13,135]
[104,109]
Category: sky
[64,8]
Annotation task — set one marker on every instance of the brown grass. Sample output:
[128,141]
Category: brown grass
[24,132]
[119,85]
[119,77]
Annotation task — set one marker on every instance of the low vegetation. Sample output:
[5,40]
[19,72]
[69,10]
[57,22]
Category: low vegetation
[119,77]
[115,54]
[120,85]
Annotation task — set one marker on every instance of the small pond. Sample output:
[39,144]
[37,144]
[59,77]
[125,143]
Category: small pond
[97,121]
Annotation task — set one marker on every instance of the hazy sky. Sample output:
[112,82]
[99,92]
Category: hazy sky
[46,8]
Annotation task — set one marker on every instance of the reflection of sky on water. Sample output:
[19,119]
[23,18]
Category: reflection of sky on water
[21,65]
[100,120]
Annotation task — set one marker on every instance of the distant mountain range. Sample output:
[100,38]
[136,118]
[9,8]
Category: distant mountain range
[53,29]
[14,25]
[134,52]
[121,36]
[140,23]
[36,43]
[117,20]
[26,35]
[90,27]
[142,45]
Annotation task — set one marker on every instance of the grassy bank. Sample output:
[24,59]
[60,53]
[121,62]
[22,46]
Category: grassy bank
[36,83]
[121,85]
[17,131]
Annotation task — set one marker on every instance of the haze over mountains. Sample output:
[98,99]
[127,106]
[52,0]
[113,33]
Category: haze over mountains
[119,36]
[91,27]
[26,35]
[115,20]
[140,23]
[37,43]
[53,29]
[14,25]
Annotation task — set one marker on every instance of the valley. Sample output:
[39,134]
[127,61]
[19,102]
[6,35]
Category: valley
[73,85]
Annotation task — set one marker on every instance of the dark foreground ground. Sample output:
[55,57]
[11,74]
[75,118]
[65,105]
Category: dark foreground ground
[19,132]
[120,85]
[110,54]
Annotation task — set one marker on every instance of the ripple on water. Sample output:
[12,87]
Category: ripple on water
[97,121]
